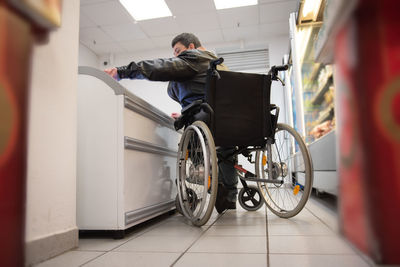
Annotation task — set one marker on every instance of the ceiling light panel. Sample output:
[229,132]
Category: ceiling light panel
[146,9]
[223,4]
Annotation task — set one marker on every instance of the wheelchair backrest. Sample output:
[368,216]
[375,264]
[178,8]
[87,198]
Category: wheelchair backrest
[241,107]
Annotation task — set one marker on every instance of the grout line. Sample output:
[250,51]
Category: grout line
[267,234]
[229,253]
[323,222]
[191,245]
[86,262]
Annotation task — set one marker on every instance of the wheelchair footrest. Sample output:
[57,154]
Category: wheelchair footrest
[255,179]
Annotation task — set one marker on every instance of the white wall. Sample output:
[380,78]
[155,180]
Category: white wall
[278,47]
[87,57]
[51,185]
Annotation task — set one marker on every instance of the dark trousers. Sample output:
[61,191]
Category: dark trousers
[226,172]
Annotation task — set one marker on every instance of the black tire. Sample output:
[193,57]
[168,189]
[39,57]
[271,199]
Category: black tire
[250,198]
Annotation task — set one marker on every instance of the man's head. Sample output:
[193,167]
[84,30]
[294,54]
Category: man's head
[185,41]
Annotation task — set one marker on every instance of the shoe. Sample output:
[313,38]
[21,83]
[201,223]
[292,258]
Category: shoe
[220,204]
[230,205]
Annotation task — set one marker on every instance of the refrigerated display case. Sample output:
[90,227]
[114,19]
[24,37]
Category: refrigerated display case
[316,78]
[314,93]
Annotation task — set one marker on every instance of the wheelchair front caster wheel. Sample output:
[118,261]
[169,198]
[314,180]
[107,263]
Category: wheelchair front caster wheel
[250,198]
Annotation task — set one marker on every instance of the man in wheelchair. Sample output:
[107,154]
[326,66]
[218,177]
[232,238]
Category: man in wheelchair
[186,73]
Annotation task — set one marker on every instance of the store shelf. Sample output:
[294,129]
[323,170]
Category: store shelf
[326,114]
[311,84]
[319,96]
[337,13]
[315,71]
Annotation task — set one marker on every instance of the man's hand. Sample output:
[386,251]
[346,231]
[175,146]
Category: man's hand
[175,115]
[112,72]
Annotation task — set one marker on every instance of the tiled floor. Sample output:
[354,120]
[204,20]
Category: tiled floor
[235,238]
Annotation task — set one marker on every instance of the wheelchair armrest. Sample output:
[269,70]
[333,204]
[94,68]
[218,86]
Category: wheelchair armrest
[186,112]
[207,108]
[179,123]
[191,106]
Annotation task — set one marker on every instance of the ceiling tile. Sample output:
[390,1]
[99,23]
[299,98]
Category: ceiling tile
[210,37]
[89,2]
[245,16]
[106,27]
[124,32]
[276,12]
[93,35]
[240,33]
[179,7]
[160,27]
[260,2]
[274,29]
[138,45]
[195,22]
[106,48]
[107,13]
[163,41]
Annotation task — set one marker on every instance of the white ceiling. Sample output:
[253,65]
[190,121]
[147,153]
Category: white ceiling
[106,27]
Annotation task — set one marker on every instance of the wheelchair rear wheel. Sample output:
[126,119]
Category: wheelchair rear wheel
[197,173]
[292,170]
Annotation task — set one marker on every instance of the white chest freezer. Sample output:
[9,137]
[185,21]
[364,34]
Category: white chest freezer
[126,160]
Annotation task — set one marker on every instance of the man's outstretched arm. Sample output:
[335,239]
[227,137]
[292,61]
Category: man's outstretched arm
[113,72]
[178,68]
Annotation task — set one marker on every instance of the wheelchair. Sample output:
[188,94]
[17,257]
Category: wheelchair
[237,113]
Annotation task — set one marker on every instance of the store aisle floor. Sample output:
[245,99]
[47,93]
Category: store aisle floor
[235,238]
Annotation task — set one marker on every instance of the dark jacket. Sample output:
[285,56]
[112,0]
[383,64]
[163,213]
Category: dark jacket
[186,74]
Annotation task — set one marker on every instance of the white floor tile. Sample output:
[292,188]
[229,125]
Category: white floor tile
[70,259]
[304,217]
[181,220]
[308,245]
[240,213]
[285,260]
[242,230]
[149,243]
[222,260]
[328,216]
[99,244]
[234,238]
[172,228]
[240,220]
[129,259]
[214,216]
[299,229]
[230,244]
